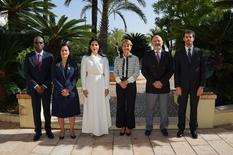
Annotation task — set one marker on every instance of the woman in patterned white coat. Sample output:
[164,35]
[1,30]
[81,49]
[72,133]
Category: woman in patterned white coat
[95,86]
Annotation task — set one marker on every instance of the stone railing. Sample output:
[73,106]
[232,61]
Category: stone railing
[206,109]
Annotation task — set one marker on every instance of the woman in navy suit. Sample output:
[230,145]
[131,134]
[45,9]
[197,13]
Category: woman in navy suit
[65,101]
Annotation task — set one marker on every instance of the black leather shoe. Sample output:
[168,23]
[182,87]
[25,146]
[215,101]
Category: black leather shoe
[122,132]
[36,137]
[180,133]
[164,132]
[194,134]
[128,133]
[148,132]
[50,135]
[61,137]
[73,136]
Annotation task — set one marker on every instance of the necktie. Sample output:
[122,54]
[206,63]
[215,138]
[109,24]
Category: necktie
[39,59]
[157,56]
[189,55]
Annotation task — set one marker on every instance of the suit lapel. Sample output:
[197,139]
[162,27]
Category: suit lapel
[154,57]
[162,57]
[185,56]
[69,71]
[194,55]
[33,59]
[61,69]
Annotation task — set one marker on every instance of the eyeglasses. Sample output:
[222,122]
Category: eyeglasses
[38,42]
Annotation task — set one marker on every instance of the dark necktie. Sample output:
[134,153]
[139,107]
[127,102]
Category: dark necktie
[189,55]
[39,59]
[157,57]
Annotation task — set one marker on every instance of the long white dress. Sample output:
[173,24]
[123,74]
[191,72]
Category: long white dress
[96,109]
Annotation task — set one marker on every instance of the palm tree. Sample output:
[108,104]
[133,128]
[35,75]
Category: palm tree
[115,38]
[93,4]
[57,32]
[11,44]
[114,7]
[104,26]
[13,8]
[140,45]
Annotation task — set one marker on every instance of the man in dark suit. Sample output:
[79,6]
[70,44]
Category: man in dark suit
[37,68]
[189,81]
[157,68]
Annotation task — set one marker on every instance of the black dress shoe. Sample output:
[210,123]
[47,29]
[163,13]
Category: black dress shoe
[148,132]
[61,137]
[128,133]
[122,133]
[194,134]
[164,132]
[50,135]
[73,136]
[36,137]
[180,133]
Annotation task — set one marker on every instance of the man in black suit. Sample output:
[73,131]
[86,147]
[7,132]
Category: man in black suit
[157,68]
[37,68]
[189,81]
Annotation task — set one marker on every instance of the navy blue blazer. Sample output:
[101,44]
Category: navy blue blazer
[62,80]
[34,75]
[154,71]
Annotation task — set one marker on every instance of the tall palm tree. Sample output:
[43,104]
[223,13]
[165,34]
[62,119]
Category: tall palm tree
[104,26]
[116,6]
[57,32]
[13,8]
[93,4]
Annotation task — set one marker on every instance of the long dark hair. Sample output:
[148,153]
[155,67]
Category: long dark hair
[89,48]
[58,59]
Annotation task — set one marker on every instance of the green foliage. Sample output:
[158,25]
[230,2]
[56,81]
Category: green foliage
[10,80]
[214,30]
[115,37]
[14,8]
[140,45]
[57,32]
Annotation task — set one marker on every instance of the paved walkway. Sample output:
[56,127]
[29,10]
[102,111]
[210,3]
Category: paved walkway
[210,142]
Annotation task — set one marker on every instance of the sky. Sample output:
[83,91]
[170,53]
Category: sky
[134,22]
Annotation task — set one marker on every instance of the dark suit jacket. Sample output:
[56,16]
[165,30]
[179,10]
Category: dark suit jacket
[189,75]
[62,80]
[35,76]
[153,71]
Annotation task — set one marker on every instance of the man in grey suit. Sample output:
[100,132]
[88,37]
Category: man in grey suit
[37,69]
[157,68]
[189,81]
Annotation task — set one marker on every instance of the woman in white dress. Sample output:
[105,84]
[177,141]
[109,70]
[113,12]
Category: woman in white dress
[95,86]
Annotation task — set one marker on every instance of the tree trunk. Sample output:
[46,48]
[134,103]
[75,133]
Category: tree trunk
[94,16]
[104,26]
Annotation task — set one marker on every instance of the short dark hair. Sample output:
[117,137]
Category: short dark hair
[189,32]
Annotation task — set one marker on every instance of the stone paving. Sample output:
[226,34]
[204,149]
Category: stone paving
[210,142]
